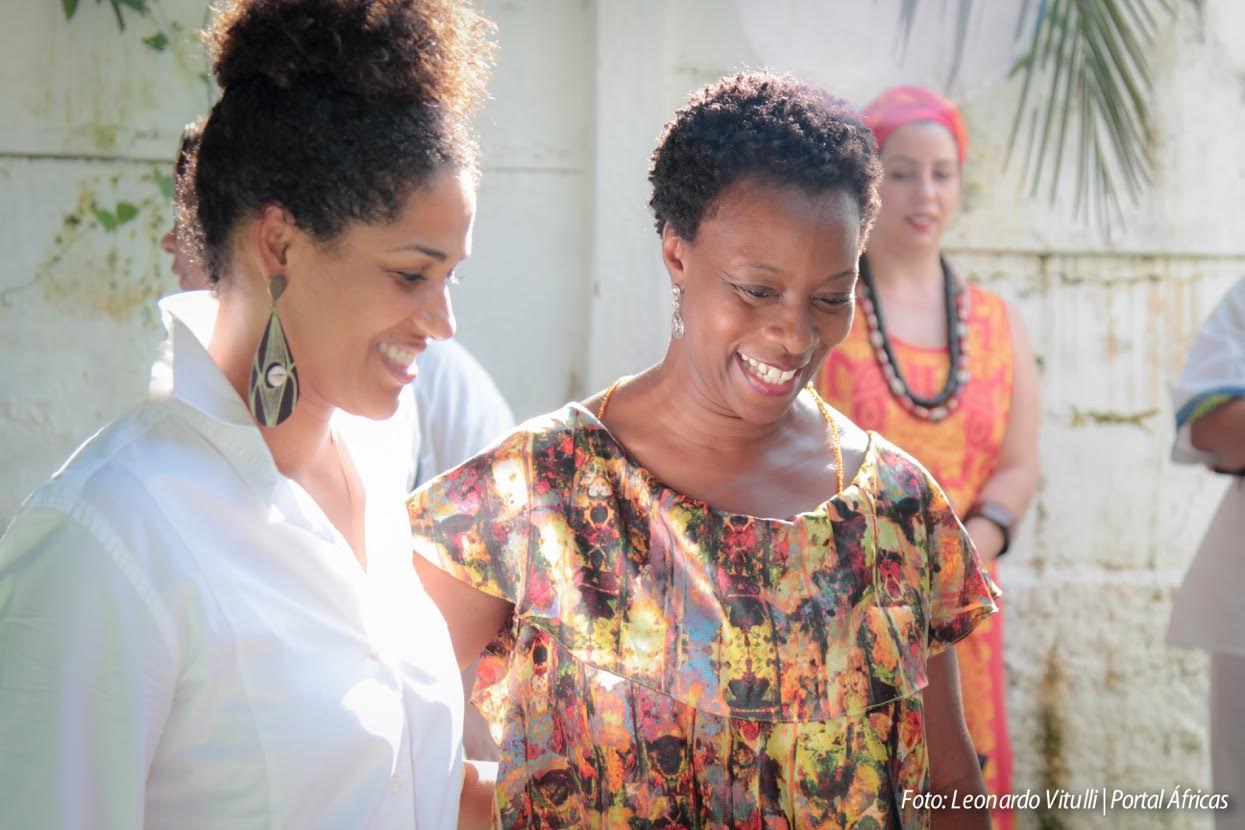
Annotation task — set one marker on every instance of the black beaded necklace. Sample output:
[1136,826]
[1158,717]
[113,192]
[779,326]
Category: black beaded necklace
[948,400]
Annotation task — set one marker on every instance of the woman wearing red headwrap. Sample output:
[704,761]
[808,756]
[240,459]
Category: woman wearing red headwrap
[945,370]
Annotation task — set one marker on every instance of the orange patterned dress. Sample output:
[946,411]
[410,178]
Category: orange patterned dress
[960,452]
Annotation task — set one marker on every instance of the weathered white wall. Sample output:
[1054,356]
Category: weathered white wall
[87,117]
[520,307]
[565,290]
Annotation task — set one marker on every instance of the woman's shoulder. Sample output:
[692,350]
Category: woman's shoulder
[996,333]
[984,302]
[534,448]
[1229,311]
[550,428]
[565,420]
[109,469]
[144,485]
[100,519]
[892,474]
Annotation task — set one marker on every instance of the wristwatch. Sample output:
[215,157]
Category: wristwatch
[998,515]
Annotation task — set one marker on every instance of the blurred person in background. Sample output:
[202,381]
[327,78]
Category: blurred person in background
[1208,612]
[943,369]
[184,241]
[461,410]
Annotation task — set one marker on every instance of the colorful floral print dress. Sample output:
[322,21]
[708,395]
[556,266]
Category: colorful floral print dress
[670,665]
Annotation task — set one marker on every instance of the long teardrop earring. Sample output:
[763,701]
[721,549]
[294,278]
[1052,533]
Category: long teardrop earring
[676,320]
[274,380]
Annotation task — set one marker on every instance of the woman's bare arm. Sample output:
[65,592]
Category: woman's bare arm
[473,617]
[475,806]
[1015,476]
[1222,432]
[953,766]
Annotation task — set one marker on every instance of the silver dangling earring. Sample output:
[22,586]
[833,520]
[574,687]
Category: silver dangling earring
[676,321]
[274,380]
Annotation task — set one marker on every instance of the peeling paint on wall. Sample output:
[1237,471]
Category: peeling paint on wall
[1054,770]
[1083,418]
[88,266]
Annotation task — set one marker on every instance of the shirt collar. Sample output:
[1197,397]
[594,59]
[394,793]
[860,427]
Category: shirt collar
[185,370]
[185,373]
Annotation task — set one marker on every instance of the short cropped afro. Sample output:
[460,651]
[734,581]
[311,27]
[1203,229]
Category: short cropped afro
[765,126]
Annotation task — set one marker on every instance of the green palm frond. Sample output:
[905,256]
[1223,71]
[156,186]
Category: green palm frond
[1087,84]
[1086,94]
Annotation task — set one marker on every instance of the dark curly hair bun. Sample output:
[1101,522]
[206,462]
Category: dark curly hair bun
[767,126]
[335,109]
[424,50]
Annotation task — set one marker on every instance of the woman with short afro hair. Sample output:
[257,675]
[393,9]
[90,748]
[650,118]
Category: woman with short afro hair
[209,618]
[712,601]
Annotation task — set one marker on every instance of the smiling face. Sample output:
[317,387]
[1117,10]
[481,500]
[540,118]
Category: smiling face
[359,310]
[767,293]
[921,187]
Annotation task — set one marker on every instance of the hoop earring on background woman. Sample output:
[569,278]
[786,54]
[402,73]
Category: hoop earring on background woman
[676,321]
[274,380]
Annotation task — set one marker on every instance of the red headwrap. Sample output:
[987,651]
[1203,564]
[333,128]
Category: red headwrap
[906,104]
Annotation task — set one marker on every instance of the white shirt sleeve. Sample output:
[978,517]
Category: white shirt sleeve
[1214,371]
[87,672]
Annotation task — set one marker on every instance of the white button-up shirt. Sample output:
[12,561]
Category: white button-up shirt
[187,641]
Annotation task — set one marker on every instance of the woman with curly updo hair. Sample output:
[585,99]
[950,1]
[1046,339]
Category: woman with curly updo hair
[209,618]
[712,601]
